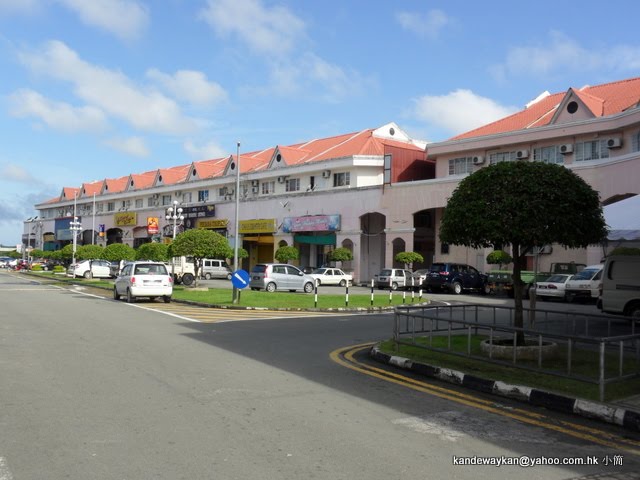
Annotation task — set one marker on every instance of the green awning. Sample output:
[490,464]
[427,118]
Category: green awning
[329,239]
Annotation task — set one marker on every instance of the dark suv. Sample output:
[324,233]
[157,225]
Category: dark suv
[455,277]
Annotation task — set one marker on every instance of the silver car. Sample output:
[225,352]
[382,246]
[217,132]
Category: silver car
[143,279]
[280,276]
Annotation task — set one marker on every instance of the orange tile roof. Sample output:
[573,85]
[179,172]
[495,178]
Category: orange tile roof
[115,185]
[210,168]
[69,193]
[142,180]
[89,189]
[603,100]
[174,175]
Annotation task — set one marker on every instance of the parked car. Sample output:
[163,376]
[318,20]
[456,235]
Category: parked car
[90,269]
[553,287]
[331,276]
[394,278]
[455,278]
[620,287]
[143,279]
[585,285]
[280,276]
[212,268]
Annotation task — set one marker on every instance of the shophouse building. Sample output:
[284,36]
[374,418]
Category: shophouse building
[377,192]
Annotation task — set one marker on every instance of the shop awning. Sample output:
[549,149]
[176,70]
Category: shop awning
[329,239]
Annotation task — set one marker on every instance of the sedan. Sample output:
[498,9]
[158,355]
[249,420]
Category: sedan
[331,276]
[553,287]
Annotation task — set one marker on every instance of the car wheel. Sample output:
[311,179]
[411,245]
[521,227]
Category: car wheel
[308,287]
[130,298]
[87,275]
[394,286]
[271,287]
[207,276]
[167,299]
[569,297]
[116,295]
[456,288]
[343,283]
[228,276]
[486,289]
[187,279]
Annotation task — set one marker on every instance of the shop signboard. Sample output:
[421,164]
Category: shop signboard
[63,228]
[262,225]
[312,223]
[152,225]
[125,219]
[213,224]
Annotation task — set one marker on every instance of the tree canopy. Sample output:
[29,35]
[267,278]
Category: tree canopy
[199,244]
[158,252]
[89,252]
[340,254]
[119,251]
[525,205]
[408,258]
[286,253]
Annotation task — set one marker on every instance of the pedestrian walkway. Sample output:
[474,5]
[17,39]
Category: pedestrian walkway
[218,315]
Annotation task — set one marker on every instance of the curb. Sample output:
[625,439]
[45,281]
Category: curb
[625,418]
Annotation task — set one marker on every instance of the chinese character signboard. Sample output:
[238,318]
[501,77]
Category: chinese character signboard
[263,225]
[311,223]
[125,219]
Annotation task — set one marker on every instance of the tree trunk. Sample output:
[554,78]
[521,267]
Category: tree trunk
[518,287]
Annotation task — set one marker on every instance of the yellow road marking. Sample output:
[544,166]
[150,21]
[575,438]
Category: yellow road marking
[345,357]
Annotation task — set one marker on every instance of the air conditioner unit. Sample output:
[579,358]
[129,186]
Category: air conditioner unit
[615,142]
[478,160]
[566,148]
[522,154]
[128,204]
[255,183]
[155,196]
[326,174]
[282,179]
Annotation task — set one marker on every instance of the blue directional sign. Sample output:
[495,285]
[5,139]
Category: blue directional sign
[240,279]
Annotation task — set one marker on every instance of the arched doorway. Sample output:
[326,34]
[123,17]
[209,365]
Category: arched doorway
[372,244]
[114,235]
[347,265]
[398,246]
[424,237]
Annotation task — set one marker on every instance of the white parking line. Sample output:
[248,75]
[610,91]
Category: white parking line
[5,473]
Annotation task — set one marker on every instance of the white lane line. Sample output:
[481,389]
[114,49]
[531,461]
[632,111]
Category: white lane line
[161,311]
[5,473]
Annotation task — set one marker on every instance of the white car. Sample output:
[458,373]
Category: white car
[553,287]
[331,276]
[90,269]
[143,279]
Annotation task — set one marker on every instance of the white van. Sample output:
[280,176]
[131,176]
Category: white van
[584,284]
[621,286]
[212,268]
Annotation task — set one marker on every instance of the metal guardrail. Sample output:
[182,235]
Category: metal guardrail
[571,332]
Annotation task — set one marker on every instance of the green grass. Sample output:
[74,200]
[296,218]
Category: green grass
[584,362]
[261,299]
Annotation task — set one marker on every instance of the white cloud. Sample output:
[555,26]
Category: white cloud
[190,86]
[424,25]
[132,146]
[16,173]
[111,91]
[207,151]
[123,18]
[459,111]
[274,31]
[562,53]
[8,7]
[57,115]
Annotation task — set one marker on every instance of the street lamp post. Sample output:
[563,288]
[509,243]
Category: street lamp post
[174,214]
[75,226]
[236,293]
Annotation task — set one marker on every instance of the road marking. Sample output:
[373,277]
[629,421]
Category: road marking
[345,357]
[5,473]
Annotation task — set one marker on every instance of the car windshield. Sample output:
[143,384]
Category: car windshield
[150,269]
[558,278]
[586,274]
[385,272]
[259,269]
[438,267]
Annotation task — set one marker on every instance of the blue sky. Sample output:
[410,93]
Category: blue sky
[104,88]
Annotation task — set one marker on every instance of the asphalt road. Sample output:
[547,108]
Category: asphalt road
[91,388]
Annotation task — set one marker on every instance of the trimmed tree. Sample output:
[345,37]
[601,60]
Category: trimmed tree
[499,257]
[284,254]
[525,205]
[200,244]
[340,254]
[408,258]
[117,252]
[89,252]
[158,252]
